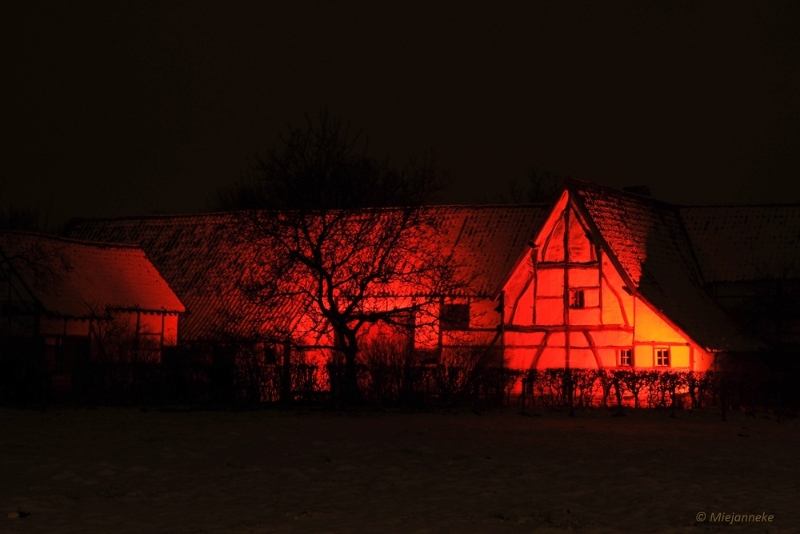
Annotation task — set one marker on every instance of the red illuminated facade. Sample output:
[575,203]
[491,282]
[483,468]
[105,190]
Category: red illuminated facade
[597,279]
[570,303]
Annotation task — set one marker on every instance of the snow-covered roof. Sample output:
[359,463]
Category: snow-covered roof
[203,257]
[200,256]
[649,241]
[737,243]
[80,279]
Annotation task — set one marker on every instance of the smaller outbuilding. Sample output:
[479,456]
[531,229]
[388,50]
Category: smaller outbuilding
[59,298]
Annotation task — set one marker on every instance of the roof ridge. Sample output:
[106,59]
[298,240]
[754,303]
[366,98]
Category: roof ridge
[607,189]
[232,216]
[74,241]
[644,198]
[77,220]
[226,214]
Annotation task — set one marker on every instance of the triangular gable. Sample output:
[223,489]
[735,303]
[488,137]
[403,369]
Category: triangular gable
[547,236]
[646,243]
[645,240]
[566,236]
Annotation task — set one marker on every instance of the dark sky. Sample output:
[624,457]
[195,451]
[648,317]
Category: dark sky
[118,108]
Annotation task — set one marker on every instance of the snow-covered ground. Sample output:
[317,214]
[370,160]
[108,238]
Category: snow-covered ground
[117,470]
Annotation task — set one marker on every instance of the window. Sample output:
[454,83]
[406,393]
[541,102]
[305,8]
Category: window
[455,317]
[576,298]
[625,358]
[662,357]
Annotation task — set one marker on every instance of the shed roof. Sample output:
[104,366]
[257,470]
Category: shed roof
[83,279]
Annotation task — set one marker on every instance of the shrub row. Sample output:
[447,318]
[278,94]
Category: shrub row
[235,376]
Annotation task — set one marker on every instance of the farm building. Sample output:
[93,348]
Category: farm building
[597,278]
[59,295]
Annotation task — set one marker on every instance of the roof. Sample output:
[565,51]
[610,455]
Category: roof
[204,256]
[648,239]
[488,240]
[667,252]
[737,243]
[194,253]
[82,279]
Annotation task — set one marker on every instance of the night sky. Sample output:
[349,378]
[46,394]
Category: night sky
[118,108]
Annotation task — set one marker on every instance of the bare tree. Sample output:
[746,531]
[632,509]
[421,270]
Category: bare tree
[342,240]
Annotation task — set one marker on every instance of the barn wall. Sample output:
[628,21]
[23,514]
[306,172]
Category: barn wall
[170,329]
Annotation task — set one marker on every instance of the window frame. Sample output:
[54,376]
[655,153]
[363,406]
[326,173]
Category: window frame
[577,299]
[621,356]
[662,357]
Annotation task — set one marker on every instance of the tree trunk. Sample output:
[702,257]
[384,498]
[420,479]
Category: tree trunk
[351,390]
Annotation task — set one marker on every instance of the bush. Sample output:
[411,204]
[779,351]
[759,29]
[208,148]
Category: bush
[395,375]
[119,369]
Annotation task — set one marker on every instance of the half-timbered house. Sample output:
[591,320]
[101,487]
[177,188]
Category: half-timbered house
[598,278]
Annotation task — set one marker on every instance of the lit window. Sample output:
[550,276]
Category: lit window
[626,357]
[662,357]
[455,317]
[576,299]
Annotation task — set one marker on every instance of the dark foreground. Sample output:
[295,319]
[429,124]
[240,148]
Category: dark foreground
[123,470]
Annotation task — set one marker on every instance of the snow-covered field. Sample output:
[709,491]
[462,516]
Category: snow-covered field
[117,470]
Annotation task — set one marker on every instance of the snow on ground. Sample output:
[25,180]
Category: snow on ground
[118,470]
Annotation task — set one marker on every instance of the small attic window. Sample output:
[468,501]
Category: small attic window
[577,299]
[455,317]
